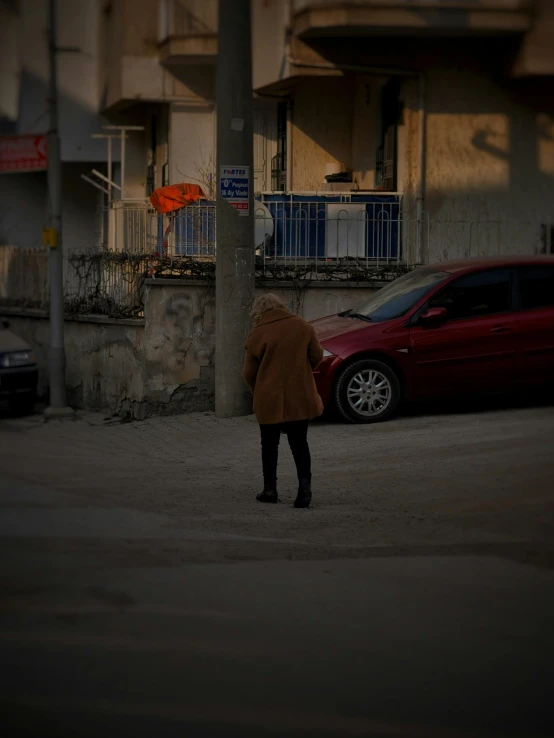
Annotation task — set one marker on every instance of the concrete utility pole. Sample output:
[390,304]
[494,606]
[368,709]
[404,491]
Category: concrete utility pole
[58,391]
[235,262]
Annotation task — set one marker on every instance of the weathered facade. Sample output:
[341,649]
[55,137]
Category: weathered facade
[163,362]
[447,107]
[439,115]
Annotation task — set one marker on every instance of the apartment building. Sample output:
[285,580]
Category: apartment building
[24,75]
[427,113]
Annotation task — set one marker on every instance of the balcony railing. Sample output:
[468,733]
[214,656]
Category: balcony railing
[299,240]
[316,230]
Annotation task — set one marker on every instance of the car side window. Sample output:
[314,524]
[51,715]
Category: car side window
[536,286]
[477,294]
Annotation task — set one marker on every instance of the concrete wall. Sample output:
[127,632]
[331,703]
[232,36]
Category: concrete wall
[336,119]
[270,20]
[490,157]
[536,56]
[10,61]
[179,347]
[191,143]
[164,364]
[321,129]
[130,70]
[366,130]
[24,208]
[180,336]
[79,94]
[105,365]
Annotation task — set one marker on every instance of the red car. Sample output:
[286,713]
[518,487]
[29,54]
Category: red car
[457,328]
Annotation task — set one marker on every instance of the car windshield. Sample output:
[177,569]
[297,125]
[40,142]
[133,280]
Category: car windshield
[399,296]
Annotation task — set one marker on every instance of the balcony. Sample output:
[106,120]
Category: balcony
[187,32]
[324,18]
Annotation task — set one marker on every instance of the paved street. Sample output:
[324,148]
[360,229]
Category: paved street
[145,593]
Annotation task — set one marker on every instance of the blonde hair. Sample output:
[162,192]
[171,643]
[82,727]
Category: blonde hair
[263,304]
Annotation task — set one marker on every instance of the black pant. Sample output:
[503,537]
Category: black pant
[297,433]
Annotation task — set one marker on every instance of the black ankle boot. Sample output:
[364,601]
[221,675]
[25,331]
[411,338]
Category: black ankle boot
[269,494]
[304,493]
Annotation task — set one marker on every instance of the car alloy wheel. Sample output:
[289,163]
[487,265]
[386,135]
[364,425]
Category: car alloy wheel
[367,391]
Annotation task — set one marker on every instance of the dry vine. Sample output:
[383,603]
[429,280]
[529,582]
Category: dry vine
[112,282]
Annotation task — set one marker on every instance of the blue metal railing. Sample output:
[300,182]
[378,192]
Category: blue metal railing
[297,227]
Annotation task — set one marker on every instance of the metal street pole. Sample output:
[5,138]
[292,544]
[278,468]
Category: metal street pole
[235,263]
[58,391]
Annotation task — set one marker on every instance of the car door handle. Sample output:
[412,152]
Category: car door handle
[501,329]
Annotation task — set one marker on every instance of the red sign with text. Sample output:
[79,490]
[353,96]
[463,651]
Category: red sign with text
[22,154]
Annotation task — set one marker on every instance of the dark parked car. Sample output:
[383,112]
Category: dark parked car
[457,328]
[18,371]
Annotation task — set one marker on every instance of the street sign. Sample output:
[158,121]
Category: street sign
[234,186]
[22,154]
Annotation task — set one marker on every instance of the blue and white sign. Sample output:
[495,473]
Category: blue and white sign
[234,186]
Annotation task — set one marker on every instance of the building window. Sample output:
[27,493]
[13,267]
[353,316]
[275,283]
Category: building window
[279,161]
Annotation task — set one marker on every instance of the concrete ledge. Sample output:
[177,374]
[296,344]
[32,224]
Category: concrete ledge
[317,284]
[178,282]
[44,314]
[320,284]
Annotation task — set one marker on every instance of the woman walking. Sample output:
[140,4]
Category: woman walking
[282,351]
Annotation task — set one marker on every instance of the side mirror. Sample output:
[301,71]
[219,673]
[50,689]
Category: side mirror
[5,324]
[434,316]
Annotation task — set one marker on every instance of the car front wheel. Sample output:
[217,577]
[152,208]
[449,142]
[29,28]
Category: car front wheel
[367,392]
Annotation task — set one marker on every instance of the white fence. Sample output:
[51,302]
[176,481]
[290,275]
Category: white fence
[316,232]
[318,243]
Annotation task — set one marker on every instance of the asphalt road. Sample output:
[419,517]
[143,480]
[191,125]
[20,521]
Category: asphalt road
[145,593]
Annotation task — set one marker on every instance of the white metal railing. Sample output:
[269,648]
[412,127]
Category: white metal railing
[316,232]
[111,281]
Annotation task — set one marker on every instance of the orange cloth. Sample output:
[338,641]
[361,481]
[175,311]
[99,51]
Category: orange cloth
[173,197]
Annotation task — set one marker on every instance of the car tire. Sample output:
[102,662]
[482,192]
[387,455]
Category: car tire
[367,391]
[23,404]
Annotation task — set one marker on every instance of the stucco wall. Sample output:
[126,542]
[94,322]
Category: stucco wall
[321,129]
[78,88]
[366,129]
[179,347]
[164,364]
[536,56]
[105,365]
[490,157]
[180,337]
[24,208]
[9,64]
[191,143]
[270,21]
